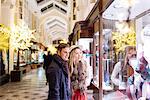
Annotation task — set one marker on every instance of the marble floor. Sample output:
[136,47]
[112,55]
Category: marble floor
[32,87]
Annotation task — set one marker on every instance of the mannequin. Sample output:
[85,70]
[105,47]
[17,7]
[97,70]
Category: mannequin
[139,83]
[120,67]
[146,55]
[146,48]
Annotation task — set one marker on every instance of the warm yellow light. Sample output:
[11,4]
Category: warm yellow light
[123,40]
[21,36]
[52,49]
[63,41]
[4,37]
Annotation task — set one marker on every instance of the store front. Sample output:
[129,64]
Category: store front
[122,24]
[80,30]
[26,59]
[116,25]
[82,35]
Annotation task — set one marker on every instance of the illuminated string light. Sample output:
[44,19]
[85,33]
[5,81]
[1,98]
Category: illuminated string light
[21,36]
[63,41]
[52,49]
[4,37]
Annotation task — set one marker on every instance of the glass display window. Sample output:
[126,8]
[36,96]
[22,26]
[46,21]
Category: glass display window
[96,57]
[107,59]
[126,22]
[24,57]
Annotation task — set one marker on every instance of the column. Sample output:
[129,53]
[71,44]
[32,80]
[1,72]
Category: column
[0,11]
[8,11]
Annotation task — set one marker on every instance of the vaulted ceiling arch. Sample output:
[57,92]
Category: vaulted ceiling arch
[60,37]
[52,15]
[56,28]
[52,18]
[54,2]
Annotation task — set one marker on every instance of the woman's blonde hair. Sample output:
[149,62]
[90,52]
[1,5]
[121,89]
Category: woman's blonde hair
[127,49]
[72,64]
[125,62]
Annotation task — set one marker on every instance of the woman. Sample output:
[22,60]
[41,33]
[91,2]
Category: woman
[121,68]
[135,81]
[78,74]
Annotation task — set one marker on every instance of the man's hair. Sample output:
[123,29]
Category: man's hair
[61,46]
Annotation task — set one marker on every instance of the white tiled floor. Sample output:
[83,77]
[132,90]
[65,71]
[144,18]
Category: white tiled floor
[31,87]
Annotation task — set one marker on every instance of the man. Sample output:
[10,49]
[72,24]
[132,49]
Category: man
[58,74]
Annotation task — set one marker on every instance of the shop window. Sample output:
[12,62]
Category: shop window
[96,57]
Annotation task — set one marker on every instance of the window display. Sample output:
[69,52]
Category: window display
[143,49]
[34,57]
[129,50]
[107,59]
[24,57]
[40,56]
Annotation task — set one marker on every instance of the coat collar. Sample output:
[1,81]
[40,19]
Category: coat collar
[62,64]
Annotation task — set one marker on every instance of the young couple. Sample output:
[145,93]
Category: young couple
[67,74]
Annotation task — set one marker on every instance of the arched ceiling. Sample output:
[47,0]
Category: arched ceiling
[52,16]
[55,28]
[48,17]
